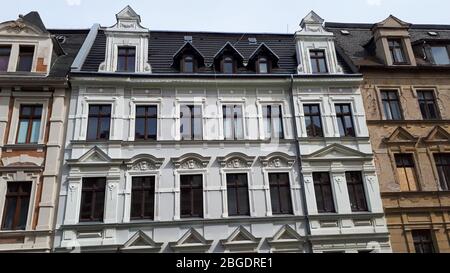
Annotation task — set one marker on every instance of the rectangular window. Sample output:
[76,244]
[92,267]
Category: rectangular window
[237,191]
[142,197]
[318,61]
[191,198]
[126,59]
[146,122]
[273,122]
[356,192]
[233,123]
[25,60]
[324,193]
[99,122]
[406,172]
[17,202]
[5,53]
[280,193]
[391,105]
[313,120]
[29,124]
[423,243]
[191,122]
[440,55]
[397,51]
[92,199]
[427,103]
[345,120]
[443,169]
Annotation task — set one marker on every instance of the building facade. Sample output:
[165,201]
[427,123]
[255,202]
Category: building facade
[34,63]
[193,141]
[405,91]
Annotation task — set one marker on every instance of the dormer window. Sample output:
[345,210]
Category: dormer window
[263,65]
[25,59]
[397,51]
[126,59]
[440,55]
[318,61]
[188,64]
[227,65]
[5,52]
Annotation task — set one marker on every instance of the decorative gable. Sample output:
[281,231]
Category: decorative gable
[191,161]
[286,239]
[191,241]
[277,160]
[401,136]
[313,36]
[241,240]
[141,242]
[94,155]
[438,134]
[127,32]
[392,22]
[336,152]
[236,160]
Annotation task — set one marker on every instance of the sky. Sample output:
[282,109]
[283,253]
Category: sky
[269,16]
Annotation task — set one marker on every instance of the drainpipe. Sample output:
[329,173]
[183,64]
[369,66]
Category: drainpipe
[299,162]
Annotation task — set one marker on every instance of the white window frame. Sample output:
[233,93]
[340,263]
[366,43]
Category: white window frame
[144,102]
[302,101]
[85,116]
[327,58]
[194,102]
[23,100]
[128,193]
[177,190]
[250,186]
[116,52]
[14,54]
[13,177]
[260,103]
[241,103]
[338,100]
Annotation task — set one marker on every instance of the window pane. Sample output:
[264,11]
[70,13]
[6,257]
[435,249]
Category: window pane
[263,66]
[151,128]
[237,191]
[92,199]
[238,122]
[197,122]
[23,131]
[25,59]
[191,199]
[277,121]
[104,128]
[228,65]
[228,122]
[440,55]
[323,192]
[356,191]
[92,128]
[267,121]
[35,129]
[188,65]
[140,128]
[5,52]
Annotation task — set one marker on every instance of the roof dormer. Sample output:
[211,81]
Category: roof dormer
[26,46]
[392,42]
[228,59]
[126,45]
[316,53]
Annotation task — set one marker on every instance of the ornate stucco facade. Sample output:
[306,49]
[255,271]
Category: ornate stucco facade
[31,149]
[416,199]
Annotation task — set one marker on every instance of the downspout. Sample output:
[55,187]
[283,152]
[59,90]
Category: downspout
[299,162]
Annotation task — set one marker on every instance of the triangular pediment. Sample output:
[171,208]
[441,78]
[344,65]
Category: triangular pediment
[438,134]
[392,22]
[191,241]
[287,233]
[241,234]
[336,151]
[140,240]
[94,155]
[311,18]
[129,14]
[241,239]
[401,135]
[192,237]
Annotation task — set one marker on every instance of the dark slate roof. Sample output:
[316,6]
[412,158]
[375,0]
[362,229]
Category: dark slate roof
[35,19]
[360,35]
[164,44]
[73,41]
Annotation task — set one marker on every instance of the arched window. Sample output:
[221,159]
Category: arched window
[263,65]
[188,64]
[228,65]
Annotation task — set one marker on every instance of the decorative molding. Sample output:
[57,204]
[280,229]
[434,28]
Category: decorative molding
[241,240]
[236,161]
[144,162]
[141,242]
[191,161]
[191,241]
[277,160]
